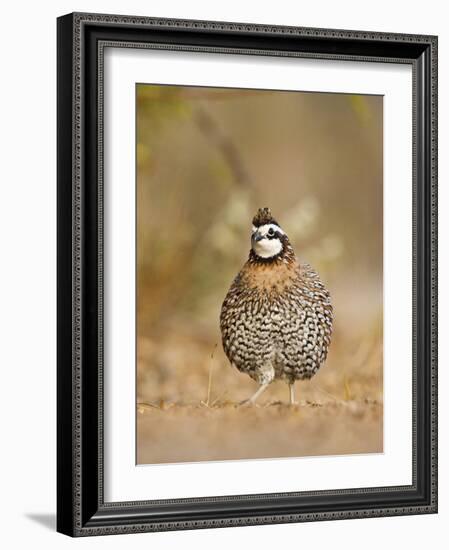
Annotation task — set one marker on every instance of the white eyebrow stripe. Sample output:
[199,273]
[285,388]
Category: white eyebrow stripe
[263,229]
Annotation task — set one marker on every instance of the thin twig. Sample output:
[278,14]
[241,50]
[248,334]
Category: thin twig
[327,393]
[143,405]
[209,383]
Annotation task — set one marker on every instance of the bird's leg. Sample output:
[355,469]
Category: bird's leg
[253,398]
[292,392]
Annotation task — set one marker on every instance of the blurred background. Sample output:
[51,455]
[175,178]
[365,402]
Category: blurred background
[207,159]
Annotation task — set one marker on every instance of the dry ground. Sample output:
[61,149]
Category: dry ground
[187,396]
[189,433]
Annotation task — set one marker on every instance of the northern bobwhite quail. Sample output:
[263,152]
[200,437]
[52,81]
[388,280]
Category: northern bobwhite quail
[276,319]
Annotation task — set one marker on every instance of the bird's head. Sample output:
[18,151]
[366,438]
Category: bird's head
[268,240]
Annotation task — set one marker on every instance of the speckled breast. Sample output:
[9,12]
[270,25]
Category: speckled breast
[281,319]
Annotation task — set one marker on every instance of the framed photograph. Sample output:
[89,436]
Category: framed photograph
[247,281]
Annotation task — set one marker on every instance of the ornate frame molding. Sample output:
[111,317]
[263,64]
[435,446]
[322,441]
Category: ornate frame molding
[81,41]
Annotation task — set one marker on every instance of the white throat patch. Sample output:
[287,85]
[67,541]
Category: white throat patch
[267,248]
[263,229]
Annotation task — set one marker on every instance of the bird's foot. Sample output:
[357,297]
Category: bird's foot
[252,400]
[247,403]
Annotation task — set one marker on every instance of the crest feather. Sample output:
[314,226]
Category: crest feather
[263,217]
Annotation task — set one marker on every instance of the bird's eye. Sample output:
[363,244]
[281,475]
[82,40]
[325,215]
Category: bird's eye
[271,232]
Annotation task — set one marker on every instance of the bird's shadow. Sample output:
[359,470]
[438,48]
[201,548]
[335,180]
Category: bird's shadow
[46,520]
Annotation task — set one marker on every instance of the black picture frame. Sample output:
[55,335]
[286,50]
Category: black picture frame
[81,509]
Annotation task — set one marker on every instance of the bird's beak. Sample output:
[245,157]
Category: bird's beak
[256,237]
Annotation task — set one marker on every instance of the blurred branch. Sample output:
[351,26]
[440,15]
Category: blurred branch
[224,144]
